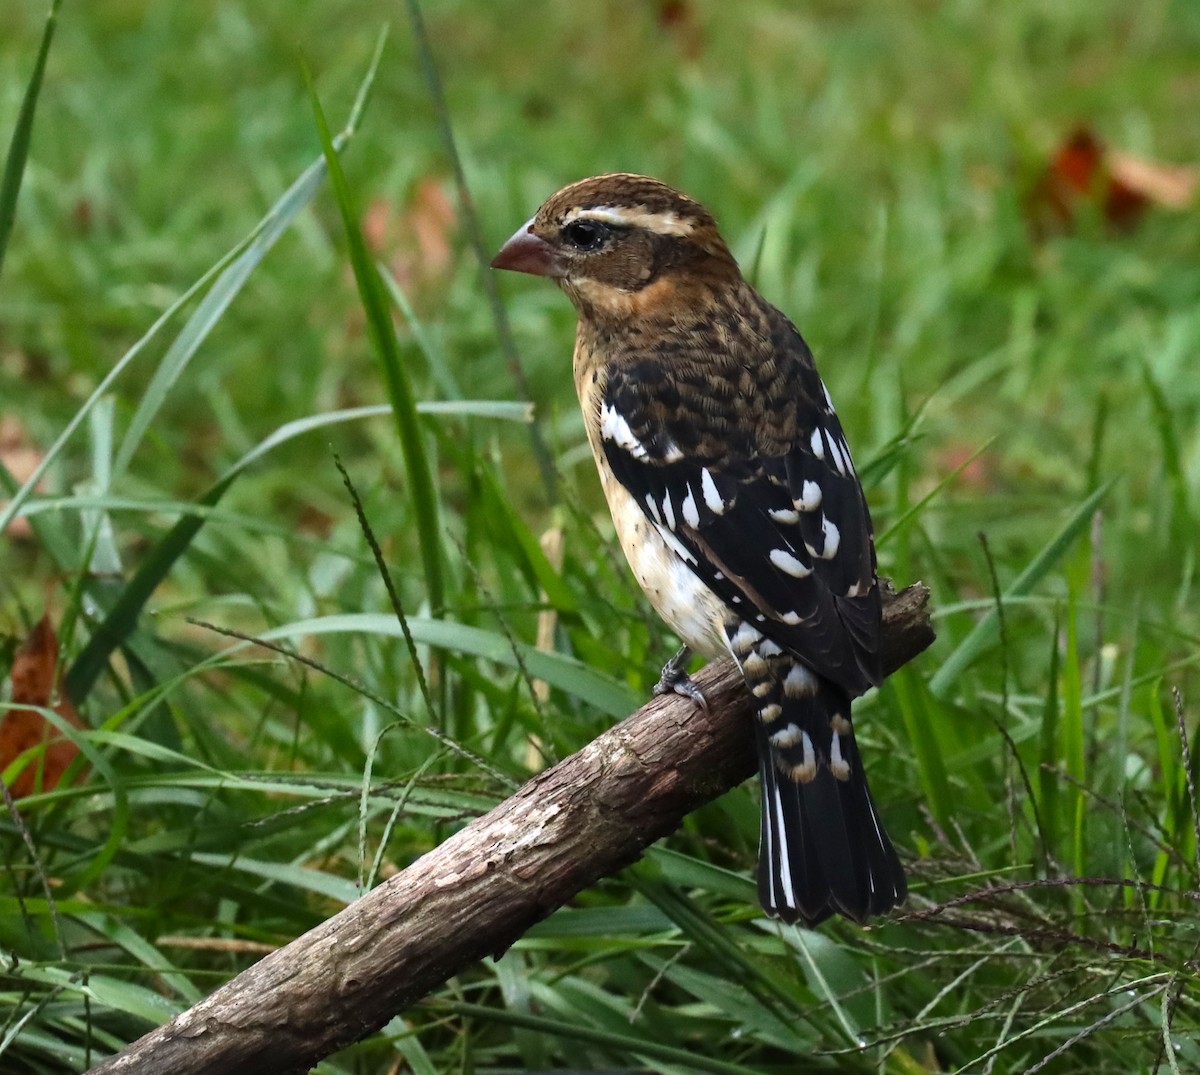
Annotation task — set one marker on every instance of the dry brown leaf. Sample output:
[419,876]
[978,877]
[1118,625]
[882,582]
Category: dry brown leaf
[35,682]
[22,459]
[553,546]
[416,241]
[426,230]
[977,474]
[377,224]
[315,521]
[680,20]
[1172,186]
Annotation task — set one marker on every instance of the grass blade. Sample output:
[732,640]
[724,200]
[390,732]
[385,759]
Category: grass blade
[18,146]
[557,669]
[374,298]
[921,710]
[234,276]
[622,1044]
[1071,730]
[122,617]
[287,206]
[987,630]
[475,233]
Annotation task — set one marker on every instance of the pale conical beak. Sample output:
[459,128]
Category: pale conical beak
[526,252]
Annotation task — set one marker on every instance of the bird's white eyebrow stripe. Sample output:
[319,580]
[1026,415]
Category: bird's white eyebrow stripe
[634,216]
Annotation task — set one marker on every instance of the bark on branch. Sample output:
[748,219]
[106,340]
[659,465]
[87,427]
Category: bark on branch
[477,893]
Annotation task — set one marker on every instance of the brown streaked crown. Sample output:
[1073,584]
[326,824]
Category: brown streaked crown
[607,239]
[641,200]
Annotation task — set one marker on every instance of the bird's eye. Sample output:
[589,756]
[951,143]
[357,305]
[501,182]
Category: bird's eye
[586,234]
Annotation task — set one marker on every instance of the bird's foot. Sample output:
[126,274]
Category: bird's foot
[675,680]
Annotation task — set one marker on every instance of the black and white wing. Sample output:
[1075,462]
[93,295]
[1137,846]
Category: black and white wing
[784,539]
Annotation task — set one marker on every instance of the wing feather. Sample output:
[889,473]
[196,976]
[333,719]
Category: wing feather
[784,539]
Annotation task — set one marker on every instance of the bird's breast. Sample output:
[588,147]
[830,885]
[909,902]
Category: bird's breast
[678,595]
[689,608]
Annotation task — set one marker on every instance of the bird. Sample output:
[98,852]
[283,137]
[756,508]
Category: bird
[736,501]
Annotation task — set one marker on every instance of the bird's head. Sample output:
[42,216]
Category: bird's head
[621,246]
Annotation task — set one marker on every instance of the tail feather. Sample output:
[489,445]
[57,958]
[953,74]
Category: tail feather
[823,848]
[887,885]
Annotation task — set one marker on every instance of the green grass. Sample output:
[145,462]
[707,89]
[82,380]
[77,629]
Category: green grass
[190,326]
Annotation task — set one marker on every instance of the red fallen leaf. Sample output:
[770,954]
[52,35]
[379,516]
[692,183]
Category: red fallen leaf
[1121,185]
[1078,160]
[34,679]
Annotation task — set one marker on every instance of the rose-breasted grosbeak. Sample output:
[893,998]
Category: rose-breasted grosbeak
[738,507]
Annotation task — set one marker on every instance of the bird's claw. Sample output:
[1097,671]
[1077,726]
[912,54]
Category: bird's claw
[675,680]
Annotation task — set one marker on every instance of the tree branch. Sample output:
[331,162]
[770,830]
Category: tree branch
[474,895]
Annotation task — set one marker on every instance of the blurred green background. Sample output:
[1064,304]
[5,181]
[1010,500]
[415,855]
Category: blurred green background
[997,355]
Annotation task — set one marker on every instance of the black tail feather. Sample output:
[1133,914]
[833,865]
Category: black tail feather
[823,848]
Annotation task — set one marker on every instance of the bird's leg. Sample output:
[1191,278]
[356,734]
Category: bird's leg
[675,680]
